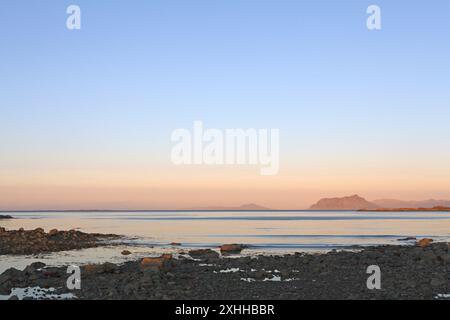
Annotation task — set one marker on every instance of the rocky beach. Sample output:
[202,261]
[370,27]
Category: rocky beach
[38,241]
[419,271]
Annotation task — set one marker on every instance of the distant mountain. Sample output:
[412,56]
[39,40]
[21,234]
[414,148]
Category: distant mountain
[354,202]
[245,207]
[397,204]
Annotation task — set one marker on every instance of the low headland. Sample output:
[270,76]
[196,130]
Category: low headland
[434,209]
[23,242]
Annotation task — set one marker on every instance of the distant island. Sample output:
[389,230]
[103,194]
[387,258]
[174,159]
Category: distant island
[398,204]
[438,209]
[354,202]
[357,203]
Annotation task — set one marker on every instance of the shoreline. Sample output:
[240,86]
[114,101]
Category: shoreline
[419,271]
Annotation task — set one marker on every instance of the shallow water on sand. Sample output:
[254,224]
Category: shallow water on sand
[265,232]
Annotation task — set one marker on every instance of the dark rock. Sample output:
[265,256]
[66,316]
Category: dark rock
[8,279]
[204,254]
[99,268]
[10,274]
[109,267]
[34,267]
[260,275]
[438,282]
[408,239]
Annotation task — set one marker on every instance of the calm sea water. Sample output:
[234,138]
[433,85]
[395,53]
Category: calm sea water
[274,232]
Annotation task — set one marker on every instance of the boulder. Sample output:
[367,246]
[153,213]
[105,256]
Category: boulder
[203,254]
[10,274]
[35,266]
[106,267]
[9,279]
[231,249]
[156,263]
[126,253]
[109,267]
[53,232]
[423,243]
[407,239]
[92,268]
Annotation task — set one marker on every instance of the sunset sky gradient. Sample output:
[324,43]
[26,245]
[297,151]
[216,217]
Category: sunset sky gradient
[86,116]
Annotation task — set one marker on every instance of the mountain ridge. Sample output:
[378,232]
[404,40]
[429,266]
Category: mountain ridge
[354,202]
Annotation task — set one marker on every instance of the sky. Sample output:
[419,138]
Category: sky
[86,116]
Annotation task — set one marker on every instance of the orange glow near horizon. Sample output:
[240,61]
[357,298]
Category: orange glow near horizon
[172,187]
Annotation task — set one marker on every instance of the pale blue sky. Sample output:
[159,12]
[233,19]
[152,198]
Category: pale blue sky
[111,93]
